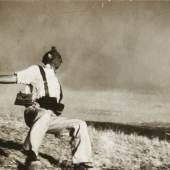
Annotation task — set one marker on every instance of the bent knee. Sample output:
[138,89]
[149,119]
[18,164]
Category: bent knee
[82,124]
[79,126]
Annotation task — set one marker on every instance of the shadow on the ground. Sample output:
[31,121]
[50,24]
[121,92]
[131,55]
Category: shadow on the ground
[20,166]
[64,165]
[3,153]
[5,144]
[50,159]
[10,144]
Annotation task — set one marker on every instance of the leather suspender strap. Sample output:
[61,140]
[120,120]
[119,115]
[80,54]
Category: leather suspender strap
[61,94]
[45,80]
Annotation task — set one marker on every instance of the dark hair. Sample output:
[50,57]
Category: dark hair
[51,55]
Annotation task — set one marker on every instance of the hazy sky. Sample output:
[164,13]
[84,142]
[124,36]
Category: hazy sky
[104,46]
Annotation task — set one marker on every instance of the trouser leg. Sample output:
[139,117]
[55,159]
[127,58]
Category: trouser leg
[37,131]
[82,151]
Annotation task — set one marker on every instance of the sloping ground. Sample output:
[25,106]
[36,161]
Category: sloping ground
[11,156]
[112,150]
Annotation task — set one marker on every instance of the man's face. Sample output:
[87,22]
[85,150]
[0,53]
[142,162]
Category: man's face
[56,63]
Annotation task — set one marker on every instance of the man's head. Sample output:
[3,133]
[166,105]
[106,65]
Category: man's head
[53,58]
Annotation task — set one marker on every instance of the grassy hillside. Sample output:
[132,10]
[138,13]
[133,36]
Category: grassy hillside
[112,149]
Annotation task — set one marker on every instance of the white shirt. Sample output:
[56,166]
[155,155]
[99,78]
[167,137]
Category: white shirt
[32,76]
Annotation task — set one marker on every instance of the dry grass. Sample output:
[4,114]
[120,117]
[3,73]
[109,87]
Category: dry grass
[112,150]
[115,150]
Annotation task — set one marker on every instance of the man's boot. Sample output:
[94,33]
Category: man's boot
[83,166]
[32,162]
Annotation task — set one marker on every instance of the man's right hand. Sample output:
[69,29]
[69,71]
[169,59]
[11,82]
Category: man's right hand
[8,79]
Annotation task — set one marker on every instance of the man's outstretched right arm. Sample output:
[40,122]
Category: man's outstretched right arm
[8,79]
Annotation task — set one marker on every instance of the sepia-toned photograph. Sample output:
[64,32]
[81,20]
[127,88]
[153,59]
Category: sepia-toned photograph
[84,85]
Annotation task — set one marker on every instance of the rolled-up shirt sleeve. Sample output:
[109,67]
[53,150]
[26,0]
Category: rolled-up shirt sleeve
[27,75]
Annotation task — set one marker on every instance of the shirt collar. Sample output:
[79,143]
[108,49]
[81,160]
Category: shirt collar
[48,66]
